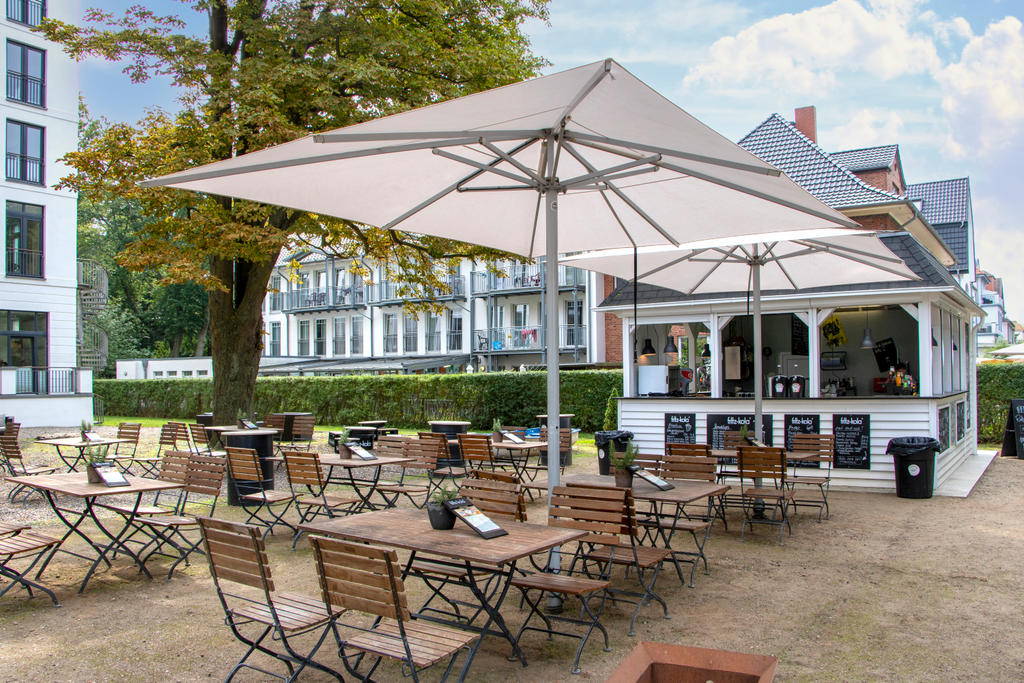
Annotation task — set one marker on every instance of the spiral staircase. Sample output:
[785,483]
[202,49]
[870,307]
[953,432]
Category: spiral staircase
[92,299]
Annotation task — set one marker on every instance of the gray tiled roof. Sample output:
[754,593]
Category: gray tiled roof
[946,204]
[867,159]
[902,244]
[778,142]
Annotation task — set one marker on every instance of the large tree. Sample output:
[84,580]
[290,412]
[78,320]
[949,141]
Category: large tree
[270,71]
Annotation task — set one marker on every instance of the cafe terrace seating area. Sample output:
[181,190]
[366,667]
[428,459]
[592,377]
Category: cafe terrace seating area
[395,590]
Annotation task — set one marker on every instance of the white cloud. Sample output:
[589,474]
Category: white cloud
[868,127]
[805,52]
[984,91]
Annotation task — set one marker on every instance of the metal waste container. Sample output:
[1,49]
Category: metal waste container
[914,460]
[604,440]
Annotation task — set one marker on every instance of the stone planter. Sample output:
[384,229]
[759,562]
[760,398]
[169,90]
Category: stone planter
[441,518]
[660,662]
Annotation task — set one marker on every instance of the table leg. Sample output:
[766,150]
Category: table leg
[116,543]
[493,614]
[366,503]
[64,514]
[73,464]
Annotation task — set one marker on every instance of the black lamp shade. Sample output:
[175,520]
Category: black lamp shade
[706,353]
[648,348]
[670,346]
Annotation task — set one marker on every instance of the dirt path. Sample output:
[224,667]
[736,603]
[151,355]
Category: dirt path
[888,589]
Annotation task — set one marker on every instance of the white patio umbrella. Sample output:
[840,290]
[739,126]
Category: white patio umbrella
[762,266]
[604,158]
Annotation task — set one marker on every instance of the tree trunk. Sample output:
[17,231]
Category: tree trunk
[236,334]
[176,346]
[201,339]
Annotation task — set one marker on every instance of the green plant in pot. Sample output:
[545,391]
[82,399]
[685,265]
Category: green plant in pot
[496,430]
[86,428]
[441,518]
[94,455]
[621,462]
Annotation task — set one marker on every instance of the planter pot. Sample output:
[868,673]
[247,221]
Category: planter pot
[653,662]
[83,435]
[441,518]
[495,437]
[93,476]
[623,478]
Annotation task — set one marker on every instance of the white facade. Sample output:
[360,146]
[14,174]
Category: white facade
[329,314]
[188,367]
[39,279]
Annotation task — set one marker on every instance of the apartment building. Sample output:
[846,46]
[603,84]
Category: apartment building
[321,317]
[40,381]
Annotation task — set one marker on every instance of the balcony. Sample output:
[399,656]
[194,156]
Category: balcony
[24,88]
[43,381]
[24,168]
[509,339]
[529,278]
[393,293]
[24,263]
[29,12]
[349,296]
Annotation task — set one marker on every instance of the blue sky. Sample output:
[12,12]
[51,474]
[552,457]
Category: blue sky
[943,79]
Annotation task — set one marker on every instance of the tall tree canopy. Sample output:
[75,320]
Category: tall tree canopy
[270,71]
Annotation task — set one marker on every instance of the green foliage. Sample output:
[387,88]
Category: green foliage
[623,460]
[443,495]
[997,384]
[406,401]
[611,412]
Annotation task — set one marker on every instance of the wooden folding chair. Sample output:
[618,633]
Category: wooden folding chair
[476,451]
[203,480]
[405,447]
[309,488]
[731,440]
[694,462]
[173,467]
[367,579]
[20,551]
[201,441]
[762,473]
[124,453]
[238,558]
[14,466]
[823,448]
[303,428]
[430,449]
[246,476]
[564,446]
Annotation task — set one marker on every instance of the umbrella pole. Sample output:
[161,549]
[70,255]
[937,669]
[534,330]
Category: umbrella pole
[551,343]
[755,271]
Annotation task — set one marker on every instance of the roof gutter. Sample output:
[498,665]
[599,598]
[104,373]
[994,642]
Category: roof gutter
[909,217]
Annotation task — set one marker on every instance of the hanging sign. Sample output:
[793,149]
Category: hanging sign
[833,331]
[853,441]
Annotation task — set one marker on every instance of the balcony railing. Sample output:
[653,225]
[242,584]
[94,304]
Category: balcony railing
[339,346]
[390,343]
[24,263]
[24,88]
[529,277]
[350,296]
[355,346]
[43,381]
[388,292]
[25,168]
[455,341]
[29,12]
[529,338]
[298,299]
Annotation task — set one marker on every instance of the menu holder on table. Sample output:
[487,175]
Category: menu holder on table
[469,513]
[360,452]
[92,436]
[511,436]
[247,424]
[650,478]
[109,474]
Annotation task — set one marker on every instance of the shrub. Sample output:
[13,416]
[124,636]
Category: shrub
[997,384]
[611,411]
[407,401]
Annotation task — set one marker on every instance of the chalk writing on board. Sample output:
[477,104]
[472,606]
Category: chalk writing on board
[719,424]
[680,428]
[801,424]
[853,441]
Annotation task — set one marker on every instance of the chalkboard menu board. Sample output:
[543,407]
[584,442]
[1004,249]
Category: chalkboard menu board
[719,424]
[797,336]
[680,428]
[886,355]
[1013,435]
[961,414]
[943,428]
[801,424]
[853,441]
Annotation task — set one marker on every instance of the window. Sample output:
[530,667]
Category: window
[275,339]
[275,293]
[29,12]
[521,315]
[320,338]
[186,373]
[574,334]
[433,332]
[303,337]
[24,152]
[25,82]
[411,329]
[339,336]
[172,373]
[499,316]
[356,345]
[454,331]
[390,333]
[202,373]
[23,340]
[24,240]
[158,373]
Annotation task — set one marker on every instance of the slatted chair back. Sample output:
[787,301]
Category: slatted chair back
[274,421]
[476,450]
[11,452]
[690,449]
[236,553]
[564,438]
[391,446]
[364,578]
[174,466]
[302,428]
[204,476]
[759,462]
[244,464]
[129,430]
[425,450]
[171,433]
[303,469]
[605,513]
[691,467]
[648,461]
[12,429]
[496,498]
[199,438]
[824,445]
[507,477]
[734,439]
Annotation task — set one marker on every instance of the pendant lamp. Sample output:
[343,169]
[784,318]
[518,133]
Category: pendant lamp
[706,353]
[670,345]
[868,341]
[648,348]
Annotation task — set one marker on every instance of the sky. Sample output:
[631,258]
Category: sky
[942,79]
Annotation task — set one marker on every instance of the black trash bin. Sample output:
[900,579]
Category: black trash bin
[914,460]
[604,441]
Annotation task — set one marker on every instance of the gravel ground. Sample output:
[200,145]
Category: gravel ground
[888,589]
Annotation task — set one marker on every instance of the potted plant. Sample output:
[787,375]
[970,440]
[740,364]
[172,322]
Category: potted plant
[620,463]
[496,430]
[441,518]
[94,455]
[86,428]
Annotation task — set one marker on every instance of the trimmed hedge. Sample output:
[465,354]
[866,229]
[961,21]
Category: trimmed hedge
[997,384]
[407,401]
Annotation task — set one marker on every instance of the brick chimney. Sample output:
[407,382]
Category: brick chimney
[806,123]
